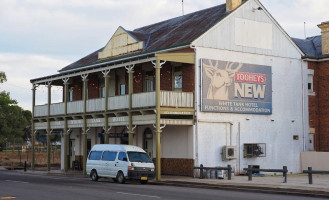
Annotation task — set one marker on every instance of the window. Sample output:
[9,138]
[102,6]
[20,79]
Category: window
[109,155]
[102,88]
[138,157]
[71,94]
[177,78]
[310,82]
[122,89]
[95,155]
[148,81]
[122,155]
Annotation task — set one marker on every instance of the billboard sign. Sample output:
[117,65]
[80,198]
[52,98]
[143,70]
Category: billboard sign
[231,87]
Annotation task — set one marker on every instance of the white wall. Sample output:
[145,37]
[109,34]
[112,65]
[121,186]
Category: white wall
[289,103]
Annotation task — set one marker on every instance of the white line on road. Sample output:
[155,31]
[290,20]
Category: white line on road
[141,195]
[16,181]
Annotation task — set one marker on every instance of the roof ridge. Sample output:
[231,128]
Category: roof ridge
[183,16]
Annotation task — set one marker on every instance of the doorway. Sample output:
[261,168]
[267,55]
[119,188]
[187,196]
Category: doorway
[148,142]
[72,152]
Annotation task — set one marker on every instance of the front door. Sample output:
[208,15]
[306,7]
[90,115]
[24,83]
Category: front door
[72,152]
[148,142]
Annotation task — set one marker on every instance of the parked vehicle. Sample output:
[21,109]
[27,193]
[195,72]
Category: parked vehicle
[119,162]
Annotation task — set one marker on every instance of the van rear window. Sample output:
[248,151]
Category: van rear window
[95,155]
[109,155]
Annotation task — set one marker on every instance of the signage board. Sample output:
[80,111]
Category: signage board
[232,87]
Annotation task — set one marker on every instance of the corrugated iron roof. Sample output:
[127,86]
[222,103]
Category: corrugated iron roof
[174,32]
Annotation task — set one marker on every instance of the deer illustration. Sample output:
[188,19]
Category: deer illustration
[220,79]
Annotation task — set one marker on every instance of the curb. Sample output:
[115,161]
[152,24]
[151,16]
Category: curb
[245,188]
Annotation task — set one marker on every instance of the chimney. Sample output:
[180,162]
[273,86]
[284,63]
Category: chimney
[324,26]
[232,4]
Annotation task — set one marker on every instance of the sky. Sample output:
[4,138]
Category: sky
[39,37]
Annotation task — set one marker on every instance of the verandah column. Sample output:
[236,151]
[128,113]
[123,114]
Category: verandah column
[157,67]
[66,131]
[84,129]
[106,119]
[130,71]
[34,87]
[48,126]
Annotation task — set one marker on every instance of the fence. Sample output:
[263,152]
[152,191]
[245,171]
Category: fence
[251,169]
[310,172]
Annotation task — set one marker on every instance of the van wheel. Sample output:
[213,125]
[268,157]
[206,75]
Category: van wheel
[120,178]
[144,181]
[93,175]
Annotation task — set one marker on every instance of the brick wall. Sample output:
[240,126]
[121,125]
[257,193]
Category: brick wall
[93,86]
[188,78]
[176,166]
[165,77]
[138,79]
[319,105]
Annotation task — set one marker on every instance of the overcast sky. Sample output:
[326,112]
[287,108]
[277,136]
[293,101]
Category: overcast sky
[39,37]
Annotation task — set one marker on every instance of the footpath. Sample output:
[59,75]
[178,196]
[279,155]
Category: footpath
[297,184]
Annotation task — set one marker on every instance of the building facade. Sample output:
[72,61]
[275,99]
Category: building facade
[317,55]
[224,85]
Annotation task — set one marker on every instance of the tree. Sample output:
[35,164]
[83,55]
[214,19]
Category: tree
[14,121]
[3,77]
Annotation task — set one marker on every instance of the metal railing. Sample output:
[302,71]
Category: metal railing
[309,171]
[251,169]
[202,169]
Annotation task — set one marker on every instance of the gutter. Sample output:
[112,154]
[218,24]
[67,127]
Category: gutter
[316,59]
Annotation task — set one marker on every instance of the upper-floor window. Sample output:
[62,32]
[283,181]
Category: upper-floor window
[122,89]
[310,82]
[177,78]
[102,88]
[148,81]
[71,94]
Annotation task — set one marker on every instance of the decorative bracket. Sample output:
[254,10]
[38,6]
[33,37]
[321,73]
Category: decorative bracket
[84,77]
[85,133]
[34,86]
[108,130]
[106,72]
[65,80]
[132,128]
[161,127]
[48,84]
[130,68]
[155,64]
[49,133]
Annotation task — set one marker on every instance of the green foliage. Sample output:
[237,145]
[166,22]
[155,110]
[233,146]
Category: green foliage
[14,121]
[3,77]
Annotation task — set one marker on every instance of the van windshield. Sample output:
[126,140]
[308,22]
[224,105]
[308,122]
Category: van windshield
[139,157]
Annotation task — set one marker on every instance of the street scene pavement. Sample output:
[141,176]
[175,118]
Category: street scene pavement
[297,186]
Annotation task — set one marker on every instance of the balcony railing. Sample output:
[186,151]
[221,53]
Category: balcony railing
[94,105]
[139,100]
[57,109]
[75,107]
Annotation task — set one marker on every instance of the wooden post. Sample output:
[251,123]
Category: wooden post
[106,133]
[84,129]
[66,132]
[34,87]
[48,126]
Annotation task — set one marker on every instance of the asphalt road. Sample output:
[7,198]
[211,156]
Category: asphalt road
[14,185]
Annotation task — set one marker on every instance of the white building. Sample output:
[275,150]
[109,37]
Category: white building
[233,80]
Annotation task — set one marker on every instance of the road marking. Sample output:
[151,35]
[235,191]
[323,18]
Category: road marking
[16,181]
[141,195]
[7,197]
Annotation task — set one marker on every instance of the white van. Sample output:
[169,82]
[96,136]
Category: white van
[119,162]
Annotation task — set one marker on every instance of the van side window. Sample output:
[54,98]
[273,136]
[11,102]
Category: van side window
[122,155]
[109,155]
[95,155]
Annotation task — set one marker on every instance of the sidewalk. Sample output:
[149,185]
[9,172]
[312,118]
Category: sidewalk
[297,184]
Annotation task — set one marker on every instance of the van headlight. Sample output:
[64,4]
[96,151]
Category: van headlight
[131,168]
[152,170]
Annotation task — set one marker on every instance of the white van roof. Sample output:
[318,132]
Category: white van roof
[116,147]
